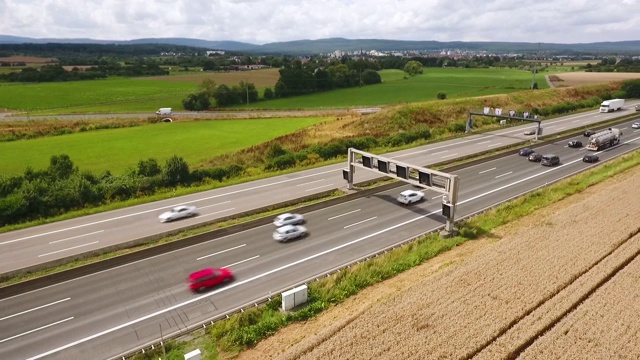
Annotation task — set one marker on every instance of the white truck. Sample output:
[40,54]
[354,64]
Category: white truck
[611,105]
[604,139]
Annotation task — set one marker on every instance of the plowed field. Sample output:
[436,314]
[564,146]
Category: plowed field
[560,283]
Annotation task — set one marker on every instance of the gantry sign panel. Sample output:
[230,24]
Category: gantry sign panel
[438,181]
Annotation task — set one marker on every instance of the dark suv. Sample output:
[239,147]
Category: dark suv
[550,160]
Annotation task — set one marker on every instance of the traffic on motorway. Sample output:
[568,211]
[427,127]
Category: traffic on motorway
[40,246]
[117,310]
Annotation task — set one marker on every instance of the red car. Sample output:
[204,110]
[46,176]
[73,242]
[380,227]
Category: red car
[206,278]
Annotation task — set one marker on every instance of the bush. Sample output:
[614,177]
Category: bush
[13,209]
[268,93]
[197,102]
[149,167]
[274,151]
[458,127]
[281,162]
[331,150]
[441,96]
[363,143]
[234,170]
[176,171]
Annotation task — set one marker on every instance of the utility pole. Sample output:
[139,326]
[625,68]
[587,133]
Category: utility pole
[535,68]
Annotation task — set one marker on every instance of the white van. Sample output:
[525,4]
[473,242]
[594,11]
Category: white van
[164,112]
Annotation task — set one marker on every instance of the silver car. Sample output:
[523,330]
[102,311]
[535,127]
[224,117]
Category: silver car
[289,232]
[288,219]
[178,212]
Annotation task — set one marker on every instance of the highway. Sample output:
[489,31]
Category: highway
[47,243]
[107,314]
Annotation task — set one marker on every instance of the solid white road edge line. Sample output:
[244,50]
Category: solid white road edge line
[221,252]
[34,309]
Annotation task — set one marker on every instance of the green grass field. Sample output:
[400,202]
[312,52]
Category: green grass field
[148,94]
[119,149]
[109,95]
[456,83]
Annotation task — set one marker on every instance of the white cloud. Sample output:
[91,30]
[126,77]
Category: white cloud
[262,21]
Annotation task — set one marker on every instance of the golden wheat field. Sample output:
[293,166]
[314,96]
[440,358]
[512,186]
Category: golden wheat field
[583,78]
[552,285]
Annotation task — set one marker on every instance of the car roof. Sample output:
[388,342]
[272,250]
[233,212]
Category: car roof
[409,192]
[285,228]
[202,273]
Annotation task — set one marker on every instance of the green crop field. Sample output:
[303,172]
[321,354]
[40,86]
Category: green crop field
[455,83]
[148,94]
[100,95]
[118,149]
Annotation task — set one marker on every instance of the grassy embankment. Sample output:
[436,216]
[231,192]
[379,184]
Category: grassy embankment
[228,337]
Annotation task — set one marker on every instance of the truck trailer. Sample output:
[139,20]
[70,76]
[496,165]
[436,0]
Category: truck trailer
[604,139]
[611,105]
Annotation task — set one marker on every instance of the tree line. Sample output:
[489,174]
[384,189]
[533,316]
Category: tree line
[56,72]
[296,78]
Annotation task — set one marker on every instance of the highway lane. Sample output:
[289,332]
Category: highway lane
[116,310]
[28,247]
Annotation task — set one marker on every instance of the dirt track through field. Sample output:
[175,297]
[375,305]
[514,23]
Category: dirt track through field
[529,291]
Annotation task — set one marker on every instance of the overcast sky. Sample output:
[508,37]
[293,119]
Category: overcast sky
[264,21]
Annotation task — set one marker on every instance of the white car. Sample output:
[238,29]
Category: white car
[410,196]
[288,219]
[530,132]
[289,232]
[636,125]
[178,212]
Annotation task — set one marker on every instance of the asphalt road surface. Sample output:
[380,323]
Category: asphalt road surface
[29,247]
[107,314]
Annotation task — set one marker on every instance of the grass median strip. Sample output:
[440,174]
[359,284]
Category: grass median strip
[229,337]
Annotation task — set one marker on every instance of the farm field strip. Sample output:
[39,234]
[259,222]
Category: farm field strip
[605,326]
[460,311]
[517,340]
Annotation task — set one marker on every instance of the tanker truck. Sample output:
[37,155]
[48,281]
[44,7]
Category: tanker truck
[604,139]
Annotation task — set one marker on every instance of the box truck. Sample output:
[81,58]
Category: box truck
[611,105]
